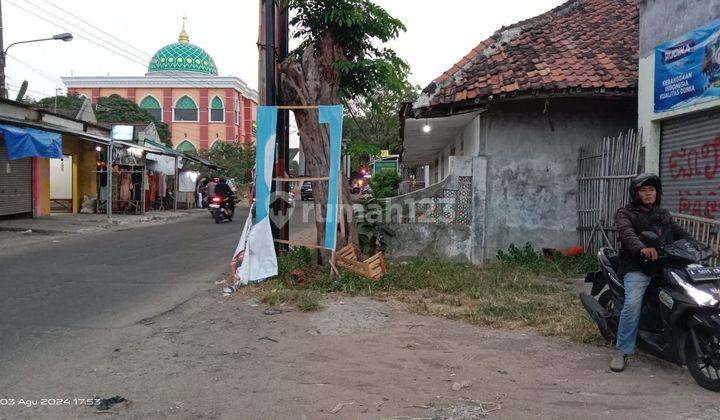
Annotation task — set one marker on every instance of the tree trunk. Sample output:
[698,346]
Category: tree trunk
[314,80]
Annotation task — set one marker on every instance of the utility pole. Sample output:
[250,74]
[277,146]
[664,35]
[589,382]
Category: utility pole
[3,89]
[274,30]
[284,118]
[270,52]
[271,99]
[108,199]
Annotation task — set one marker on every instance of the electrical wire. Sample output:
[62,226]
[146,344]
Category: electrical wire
[38,71]
[16,87]
[144,56]
[95,27]
[87,33]
[130,58]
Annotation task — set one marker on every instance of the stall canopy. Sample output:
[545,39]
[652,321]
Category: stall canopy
[23,142]
[201,161]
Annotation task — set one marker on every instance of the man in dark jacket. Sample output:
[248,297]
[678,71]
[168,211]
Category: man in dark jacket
[223,190]
[638,261]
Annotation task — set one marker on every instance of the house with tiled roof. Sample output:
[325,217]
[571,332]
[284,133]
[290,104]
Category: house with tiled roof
[514,113]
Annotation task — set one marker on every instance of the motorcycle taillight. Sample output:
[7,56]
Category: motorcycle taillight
[216,199]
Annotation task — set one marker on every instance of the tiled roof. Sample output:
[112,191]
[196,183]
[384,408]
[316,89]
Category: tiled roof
[580,45]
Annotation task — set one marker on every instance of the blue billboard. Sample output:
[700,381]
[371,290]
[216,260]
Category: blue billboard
[687,69]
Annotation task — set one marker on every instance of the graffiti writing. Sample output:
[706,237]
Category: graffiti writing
[700,203]
[701,161]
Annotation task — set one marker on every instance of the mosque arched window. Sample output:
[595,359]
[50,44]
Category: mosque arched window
[217,110]
[152,107]
[186,147]
[185,109]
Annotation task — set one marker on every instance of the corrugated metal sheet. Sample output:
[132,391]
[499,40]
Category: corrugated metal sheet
[690,164]
[15,184]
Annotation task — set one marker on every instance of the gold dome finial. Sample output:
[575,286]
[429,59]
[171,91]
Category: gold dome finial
[184,38]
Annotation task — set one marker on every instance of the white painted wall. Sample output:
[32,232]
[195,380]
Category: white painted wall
[61,178]
[466,143]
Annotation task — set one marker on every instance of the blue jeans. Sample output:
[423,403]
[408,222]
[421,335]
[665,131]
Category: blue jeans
[635,285]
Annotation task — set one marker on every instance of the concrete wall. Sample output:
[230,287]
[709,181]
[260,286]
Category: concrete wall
[661,21]
[429,238]
[532,165]
[446,242]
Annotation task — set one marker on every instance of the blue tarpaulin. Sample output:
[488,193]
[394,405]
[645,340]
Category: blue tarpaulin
[22,142]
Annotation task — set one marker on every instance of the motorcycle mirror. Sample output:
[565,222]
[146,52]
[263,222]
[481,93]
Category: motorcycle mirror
[651,238]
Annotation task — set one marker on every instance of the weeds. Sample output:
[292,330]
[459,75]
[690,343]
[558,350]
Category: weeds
[519,292]
[305,300]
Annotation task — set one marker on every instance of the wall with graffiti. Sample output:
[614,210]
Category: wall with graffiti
[691,165]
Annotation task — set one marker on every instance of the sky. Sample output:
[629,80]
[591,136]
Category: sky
[439,33]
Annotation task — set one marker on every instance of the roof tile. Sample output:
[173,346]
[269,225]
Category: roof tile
[575,45]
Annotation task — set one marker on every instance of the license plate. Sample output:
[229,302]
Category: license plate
[214,206]
[704,273]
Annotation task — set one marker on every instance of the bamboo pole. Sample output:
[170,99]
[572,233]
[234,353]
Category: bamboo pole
[303,179]
[291,107]
[292,243]
[341,207]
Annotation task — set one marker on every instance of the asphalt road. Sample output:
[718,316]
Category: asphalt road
[70,299]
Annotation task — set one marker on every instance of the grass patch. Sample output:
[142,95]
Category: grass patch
[305,300]
[534,294]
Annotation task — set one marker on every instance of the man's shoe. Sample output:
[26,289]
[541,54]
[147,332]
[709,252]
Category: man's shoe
[617,364]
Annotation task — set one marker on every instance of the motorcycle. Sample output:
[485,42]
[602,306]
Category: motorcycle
[680,318]
[221,209]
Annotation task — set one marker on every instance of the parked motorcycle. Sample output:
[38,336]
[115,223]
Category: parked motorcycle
[680,318]
[222,209]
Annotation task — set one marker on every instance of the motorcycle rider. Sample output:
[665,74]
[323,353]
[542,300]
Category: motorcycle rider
[223,190]
[211,187]
[638,262]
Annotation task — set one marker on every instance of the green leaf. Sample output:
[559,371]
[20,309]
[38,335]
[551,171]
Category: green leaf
[387,231]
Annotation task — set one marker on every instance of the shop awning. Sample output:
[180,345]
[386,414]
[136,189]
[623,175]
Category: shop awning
[23,142]
[164,149]
[202,161]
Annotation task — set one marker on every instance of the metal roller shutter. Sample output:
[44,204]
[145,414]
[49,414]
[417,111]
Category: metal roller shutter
[15,184]
[690,164]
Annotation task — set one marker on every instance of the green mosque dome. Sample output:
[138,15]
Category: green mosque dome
[182,56]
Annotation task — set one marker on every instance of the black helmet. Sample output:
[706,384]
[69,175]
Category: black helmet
[642,180]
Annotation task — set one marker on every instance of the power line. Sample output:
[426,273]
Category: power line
[145,56]
[134,60]
[135,55]
[14,86]
[95,27]
[66,29]
[40,72]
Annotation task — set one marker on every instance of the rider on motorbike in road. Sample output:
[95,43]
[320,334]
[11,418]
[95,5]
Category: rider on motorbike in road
[223,190]
[638,262]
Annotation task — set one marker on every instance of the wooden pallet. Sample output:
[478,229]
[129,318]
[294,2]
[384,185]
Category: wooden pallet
[373,268]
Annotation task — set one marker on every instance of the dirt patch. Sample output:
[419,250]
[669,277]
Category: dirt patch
[359,358]
[343,316]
